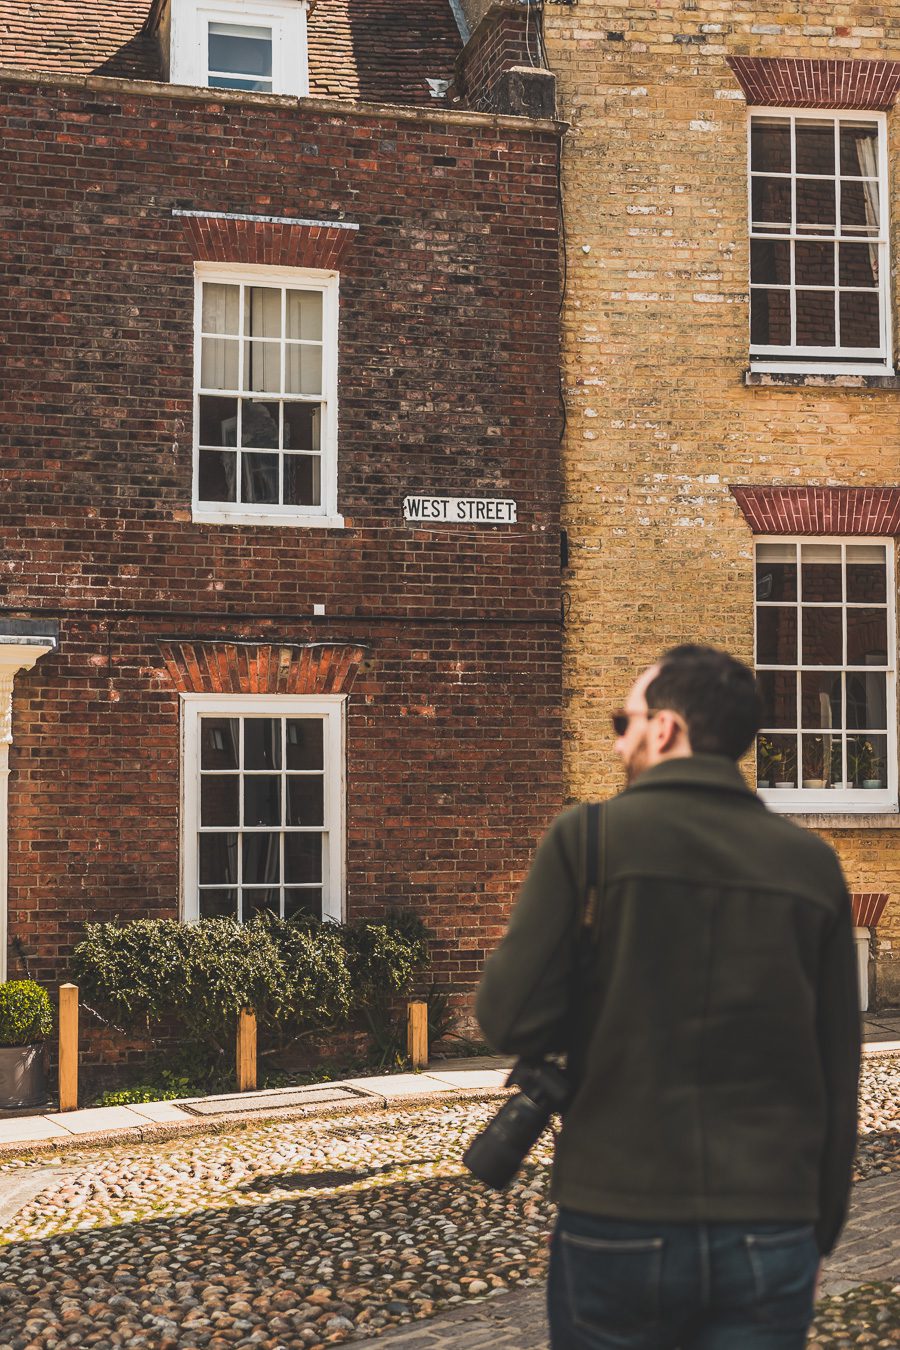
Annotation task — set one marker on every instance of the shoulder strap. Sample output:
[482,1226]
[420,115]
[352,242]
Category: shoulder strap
[594,862]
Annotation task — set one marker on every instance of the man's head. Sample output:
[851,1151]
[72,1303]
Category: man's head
[694,701]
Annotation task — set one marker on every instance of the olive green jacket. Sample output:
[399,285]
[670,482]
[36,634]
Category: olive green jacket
[711,1017]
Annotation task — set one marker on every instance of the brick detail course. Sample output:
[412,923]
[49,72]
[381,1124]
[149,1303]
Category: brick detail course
[258,242]
[231,668]
[820,510]
[789,83]
[868,908]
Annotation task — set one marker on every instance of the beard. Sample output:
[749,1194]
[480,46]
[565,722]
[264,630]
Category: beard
[636,762]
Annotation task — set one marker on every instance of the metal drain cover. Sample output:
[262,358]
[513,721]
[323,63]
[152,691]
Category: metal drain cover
[275,1098]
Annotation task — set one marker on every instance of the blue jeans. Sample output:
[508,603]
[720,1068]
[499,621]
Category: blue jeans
[616,1285]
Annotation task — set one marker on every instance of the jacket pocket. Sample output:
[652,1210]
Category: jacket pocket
[612,1282]
[784,1265]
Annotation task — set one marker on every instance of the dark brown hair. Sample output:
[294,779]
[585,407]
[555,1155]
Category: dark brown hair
[715,694]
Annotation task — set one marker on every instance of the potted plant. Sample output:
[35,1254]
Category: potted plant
[814,764]
[26,1020]
[766,758]
[867,769]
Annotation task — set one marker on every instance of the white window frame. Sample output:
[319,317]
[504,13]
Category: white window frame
[326,514]
[850,801]
[810,360]
[331,708]
[189,39]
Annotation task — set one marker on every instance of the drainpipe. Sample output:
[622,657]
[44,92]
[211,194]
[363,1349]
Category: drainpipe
[18,651]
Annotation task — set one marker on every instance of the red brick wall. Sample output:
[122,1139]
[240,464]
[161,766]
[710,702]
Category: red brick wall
[448,385]
[499,42]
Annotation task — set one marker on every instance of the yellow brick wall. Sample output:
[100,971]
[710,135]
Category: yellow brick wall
[656,332]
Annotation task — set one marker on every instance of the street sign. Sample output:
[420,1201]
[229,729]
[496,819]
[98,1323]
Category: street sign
[459,510]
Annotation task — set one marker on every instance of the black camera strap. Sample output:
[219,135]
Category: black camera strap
[594,862]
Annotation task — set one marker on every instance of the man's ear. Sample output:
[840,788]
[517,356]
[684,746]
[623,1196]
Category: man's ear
[668,730]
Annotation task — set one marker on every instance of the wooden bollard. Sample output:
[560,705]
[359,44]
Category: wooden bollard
[246,1050]
[417,1034]
[68,1047]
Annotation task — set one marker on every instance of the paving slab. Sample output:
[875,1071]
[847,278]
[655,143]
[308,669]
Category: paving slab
[98,1118]
[405,1084]
[26,1128]
[159,1112]
[479,1078]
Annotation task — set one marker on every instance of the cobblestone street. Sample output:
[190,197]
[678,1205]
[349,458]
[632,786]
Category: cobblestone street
[307,1232]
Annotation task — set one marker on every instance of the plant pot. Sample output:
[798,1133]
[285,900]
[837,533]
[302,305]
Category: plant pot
[786,785]
[842,785]
[814,782]
[23,1077]
[762,783]
[872,783]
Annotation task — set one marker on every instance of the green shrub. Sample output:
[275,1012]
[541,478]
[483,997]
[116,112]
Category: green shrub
[25,1013]
[301,978]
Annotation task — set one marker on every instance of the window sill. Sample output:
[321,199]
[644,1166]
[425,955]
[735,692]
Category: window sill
[285,522]
[878,820]
[794,379]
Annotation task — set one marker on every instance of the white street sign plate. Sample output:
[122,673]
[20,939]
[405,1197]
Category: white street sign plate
[459,510]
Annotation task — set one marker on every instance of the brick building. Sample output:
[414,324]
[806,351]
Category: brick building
[732,190]
[270,298]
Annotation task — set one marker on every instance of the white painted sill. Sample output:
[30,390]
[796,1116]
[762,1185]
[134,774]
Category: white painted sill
[286,521]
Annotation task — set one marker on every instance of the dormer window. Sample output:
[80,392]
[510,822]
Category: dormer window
[256,45]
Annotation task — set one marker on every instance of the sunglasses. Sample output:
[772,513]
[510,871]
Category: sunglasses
[621,720]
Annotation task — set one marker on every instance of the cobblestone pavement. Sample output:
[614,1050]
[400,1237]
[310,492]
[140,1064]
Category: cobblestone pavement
[303,1233]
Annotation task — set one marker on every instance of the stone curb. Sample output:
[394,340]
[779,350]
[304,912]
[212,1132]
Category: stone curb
[235,1122]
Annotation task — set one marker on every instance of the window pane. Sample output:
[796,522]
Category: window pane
[217,479]
[259,478]
[218,904]
[303,370]
[866,573]
[859,207]
[218,420]
[820,703]
[821,573]
[241,49]
[770,260]
[860,319]
[218,743]
[218,859]
[262,800]
[302,485]
[858,265]
[297,902]
[771,201]
[815,147]
[262,311]
[867,761]
[867,699]
[770,318]
[219,363]
[816,752]
[866,637]
[770,145]
[259,425]
[814,264]
[822,637]
[261,858]
[815,319]
[305,743]
[219,796]
[302,426]
[306,800]
[262,366]
[776,572]
[776,761]
[262,742]
[304,315]
[302,857]
[815,204]
[779,693]
[859,150]
[255,902]
[776,636]
[220,308]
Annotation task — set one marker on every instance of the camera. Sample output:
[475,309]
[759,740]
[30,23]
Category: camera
[496,1154]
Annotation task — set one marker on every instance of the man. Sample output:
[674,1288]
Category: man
[710,1016]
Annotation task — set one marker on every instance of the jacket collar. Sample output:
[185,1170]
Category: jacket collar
[697,771]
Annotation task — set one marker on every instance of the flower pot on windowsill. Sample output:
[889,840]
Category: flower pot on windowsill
[23,1076]
[784,783]
[872,783]
[842,785]
[814,782]
[762,783]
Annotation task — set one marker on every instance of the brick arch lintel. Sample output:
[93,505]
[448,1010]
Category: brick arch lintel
[788,82]
[266,241]
[868,907]
[218,666]
[819,510]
